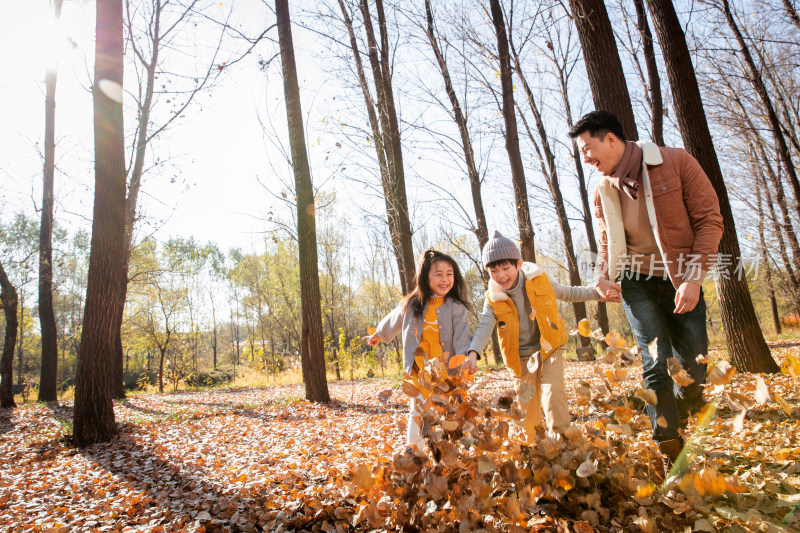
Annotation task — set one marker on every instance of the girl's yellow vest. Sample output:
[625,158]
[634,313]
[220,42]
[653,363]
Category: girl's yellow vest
[545,310]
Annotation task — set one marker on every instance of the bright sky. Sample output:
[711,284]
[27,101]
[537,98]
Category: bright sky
[217,154]
[221,150]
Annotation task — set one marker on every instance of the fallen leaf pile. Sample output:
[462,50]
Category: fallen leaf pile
[265,459]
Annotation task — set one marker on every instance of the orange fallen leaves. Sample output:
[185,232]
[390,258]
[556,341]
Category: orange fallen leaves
[264,459]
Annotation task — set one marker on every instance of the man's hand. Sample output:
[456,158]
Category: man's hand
[608,291]
[472,362]
[686,297]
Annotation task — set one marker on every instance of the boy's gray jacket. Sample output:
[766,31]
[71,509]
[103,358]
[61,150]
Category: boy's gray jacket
[453,329]
[565,293]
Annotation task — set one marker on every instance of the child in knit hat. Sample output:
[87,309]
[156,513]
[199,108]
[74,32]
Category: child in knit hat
[521,301]
[433,319]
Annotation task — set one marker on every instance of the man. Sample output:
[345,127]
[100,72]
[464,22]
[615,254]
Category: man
[659,228]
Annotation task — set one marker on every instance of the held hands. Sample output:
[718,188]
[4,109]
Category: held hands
[686,297]
[609,291]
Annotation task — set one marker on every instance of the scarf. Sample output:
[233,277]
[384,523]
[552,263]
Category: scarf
[626,177]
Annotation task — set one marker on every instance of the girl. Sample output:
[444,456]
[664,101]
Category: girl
[433,317]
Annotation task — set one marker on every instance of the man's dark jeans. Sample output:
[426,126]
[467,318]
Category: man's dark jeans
[650,305]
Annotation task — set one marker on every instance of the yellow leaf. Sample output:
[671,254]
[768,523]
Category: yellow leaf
[362,477]
[583,393]
[410,389]
[584,327]
[678,373]
[615,340]
[782,403]
[456,361]
[648,396]
[485,465]
[623,414]
[645,489]
[720,374]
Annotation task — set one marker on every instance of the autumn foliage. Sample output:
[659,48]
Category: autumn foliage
[265,459]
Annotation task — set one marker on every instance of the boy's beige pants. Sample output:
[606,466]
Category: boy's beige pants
[550,396]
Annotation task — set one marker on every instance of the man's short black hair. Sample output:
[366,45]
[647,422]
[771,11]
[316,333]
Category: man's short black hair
[501,262]
[598,124]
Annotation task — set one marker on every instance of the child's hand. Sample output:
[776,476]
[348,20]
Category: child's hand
[472,362]
[608,291]
[372,340]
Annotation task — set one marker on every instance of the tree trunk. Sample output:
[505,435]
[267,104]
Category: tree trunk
[762,248]
[756,143]
[162,356]
[654,81]
[94,411]
[789,278]
[481,229]
[588,216]
[387,115]
[386,136]
[21,341]
[747,348]
[8,296]
[792,13]
[526,233]
[312,356]
[550,173]
[47,319]
[603,66]
[772,117]
[134,185]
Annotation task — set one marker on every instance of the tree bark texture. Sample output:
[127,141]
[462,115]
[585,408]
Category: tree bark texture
[311,344]
[754,76]
[550,172]
[526,233]
[395,188]
[762,248]
[134,186]
[748,351]
[791,12]
[788,274]
[481,229]
[654,80]
[47,318]
[757,143]
[588,216]
[94,412]
[603,66]
[8,295]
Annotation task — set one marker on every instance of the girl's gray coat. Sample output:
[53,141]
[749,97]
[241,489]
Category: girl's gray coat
[453,329]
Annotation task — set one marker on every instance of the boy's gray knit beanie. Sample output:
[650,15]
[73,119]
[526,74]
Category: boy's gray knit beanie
[499,247]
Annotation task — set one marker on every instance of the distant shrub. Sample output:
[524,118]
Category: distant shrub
[209,379]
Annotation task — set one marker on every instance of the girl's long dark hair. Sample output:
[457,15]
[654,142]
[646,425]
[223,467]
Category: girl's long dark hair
[422,292]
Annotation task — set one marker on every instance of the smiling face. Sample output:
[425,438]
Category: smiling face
[441,277]
[603,153]
[505,274]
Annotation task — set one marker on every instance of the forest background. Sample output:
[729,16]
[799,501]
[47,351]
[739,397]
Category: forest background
[213,282]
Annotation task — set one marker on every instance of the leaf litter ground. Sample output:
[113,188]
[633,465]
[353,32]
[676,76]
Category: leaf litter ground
[264,459]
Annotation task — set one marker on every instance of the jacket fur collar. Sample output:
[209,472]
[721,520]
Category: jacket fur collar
[496,293]
[612,212]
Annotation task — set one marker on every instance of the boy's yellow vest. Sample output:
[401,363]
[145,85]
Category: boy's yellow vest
[545,309]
